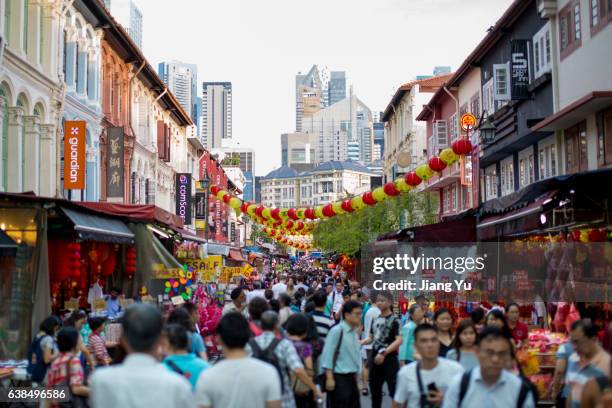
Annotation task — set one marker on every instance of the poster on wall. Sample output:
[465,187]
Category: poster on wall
[74,154]
[114,163]
[519,69]
[183,197]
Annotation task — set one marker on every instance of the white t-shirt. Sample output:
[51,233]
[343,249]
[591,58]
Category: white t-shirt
[279,288]
[372,313]
[245,382]
[255,293]
[407,388]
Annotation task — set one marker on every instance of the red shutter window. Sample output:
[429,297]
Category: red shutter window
[167,152]
[161,139]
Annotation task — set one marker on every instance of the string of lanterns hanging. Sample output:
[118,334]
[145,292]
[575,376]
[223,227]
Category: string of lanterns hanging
[301,221]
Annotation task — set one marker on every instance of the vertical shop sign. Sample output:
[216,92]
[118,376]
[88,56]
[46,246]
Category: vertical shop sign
[519,69]
[74,154]
[114,163]
[183,197]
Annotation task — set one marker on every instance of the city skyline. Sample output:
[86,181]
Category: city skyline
[262,90]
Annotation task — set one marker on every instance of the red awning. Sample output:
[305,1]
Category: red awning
[136,212]
[236,255]
[575,112]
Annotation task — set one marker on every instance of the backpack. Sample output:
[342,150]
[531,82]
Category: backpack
[268,355]
[526,387]
[36,362]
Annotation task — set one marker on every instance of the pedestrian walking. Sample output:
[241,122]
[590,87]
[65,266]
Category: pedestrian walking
[256,309]
[178,356]
[238,381]
[386,339]
[282,354]
[182,317]
[519,330]
[443,320]
[489,384]
[323,320]
[341,359]
[43,349]
[406,351]
[140,381]
[297,330]
[238,302]
[463,347]
[97,345]
[423,383]
[366,352]
[285,311]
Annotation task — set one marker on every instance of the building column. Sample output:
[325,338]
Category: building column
[47,160]
[34,34]
[91,174]
[71,57]
[15,149]
[81,74]
[90,90]
[31,173]
[17,40]
[3,103]
[51,29]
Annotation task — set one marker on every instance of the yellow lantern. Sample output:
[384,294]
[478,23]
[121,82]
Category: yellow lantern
[448,156]
[318,210]
[424,172]
[357,203]
[235,203]
[337,207]
[401,185]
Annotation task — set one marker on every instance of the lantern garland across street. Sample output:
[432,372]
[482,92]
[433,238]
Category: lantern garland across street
[286,224]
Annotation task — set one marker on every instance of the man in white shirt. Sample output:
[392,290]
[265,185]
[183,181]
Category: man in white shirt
[424,383]
[256,292]
[336,299]
[366,350]
[238,380]
[490,384]
[280,287]
[140,381]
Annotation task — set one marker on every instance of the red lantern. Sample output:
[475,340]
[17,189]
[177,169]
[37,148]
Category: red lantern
[292,213]
[227,198]
[289,224]
[214,190]
[244,206]
[461,147]
[276,214]
[328,211]
[346,206]
[259,210]
[391,190]
[309,213]
[299,225]
[368,199]
[412,179]
[436,164]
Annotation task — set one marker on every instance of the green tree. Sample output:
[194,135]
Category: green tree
[346,233]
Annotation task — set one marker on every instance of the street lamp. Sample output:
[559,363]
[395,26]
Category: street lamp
[487,132]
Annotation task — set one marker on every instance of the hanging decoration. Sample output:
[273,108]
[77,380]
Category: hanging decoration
[182,285]
[289,223]
[130,261]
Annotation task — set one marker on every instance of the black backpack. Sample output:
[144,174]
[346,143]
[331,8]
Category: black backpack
[36,362]
[268,355]
[526,388]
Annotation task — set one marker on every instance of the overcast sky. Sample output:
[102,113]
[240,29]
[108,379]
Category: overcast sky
[260,45]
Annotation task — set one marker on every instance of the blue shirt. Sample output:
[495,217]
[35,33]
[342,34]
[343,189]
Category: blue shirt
[197,344]
[189,364]
[563,353]
[349,356]
[406,351]
[113,307]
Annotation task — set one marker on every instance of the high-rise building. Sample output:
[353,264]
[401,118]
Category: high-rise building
[297,148]
[182,81]
[353,151]
[379,140]
[127,13]
[309,89]
[242,157]
[216,119]
[336,89]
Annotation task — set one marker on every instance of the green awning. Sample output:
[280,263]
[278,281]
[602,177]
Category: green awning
[92,227]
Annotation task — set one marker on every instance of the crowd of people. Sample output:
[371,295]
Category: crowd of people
[307,339]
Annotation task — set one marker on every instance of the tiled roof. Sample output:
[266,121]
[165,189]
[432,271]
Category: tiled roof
[341,165]
[281,172]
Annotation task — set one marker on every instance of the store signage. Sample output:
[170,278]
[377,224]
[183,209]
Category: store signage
[114,163]
[519,69]
[71,304]
[74,154]
[205,269]
[161,272]
[200,209]
[468,121]
[183,197]
[99,304]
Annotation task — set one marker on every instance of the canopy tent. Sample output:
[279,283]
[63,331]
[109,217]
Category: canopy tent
[98,228]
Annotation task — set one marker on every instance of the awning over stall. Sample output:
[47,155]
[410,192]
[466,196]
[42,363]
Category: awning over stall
[236,255]
[217,249]
[6,241]
[99,228]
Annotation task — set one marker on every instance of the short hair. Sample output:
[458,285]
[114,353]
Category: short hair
[177,336]
[234,330]
[67,339]
[423,327]
[257,307]
[477,315]
[309,307]
[236,293]
[588,328]
[493,333]
[257,285]
[76,315]
[297,324]
[269,320]
[284,299]
[420,297]
[116,289]
[182,317]
[440,312]
[509,305]
[190,307]
[274,305]
[320,298]
[413,307]
[269,294]
[142,326]
[49,324]
[386,294]
[349,306]
[95,322]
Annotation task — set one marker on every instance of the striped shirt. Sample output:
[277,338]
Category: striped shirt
[323,322]
[580,371]
[97,348]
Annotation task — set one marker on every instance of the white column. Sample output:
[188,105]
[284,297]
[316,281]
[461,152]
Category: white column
[34,37]
[50,38]
[15,151]
[47,160]
[2,119]
[32,154]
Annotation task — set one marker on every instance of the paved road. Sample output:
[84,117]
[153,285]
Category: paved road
[366,402]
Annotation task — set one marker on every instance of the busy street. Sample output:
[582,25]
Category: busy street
[330,204]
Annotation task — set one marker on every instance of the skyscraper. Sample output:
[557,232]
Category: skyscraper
[216,114]
[308,95]
[127,13]
[182,81]
[336,89]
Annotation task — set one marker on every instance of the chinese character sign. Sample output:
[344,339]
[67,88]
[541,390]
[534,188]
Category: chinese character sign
[114,163]
[74,154]
[183,197]
[519,69]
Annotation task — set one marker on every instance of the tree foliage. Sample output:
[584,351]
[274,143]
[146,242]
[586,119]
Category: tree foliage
[346,233]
